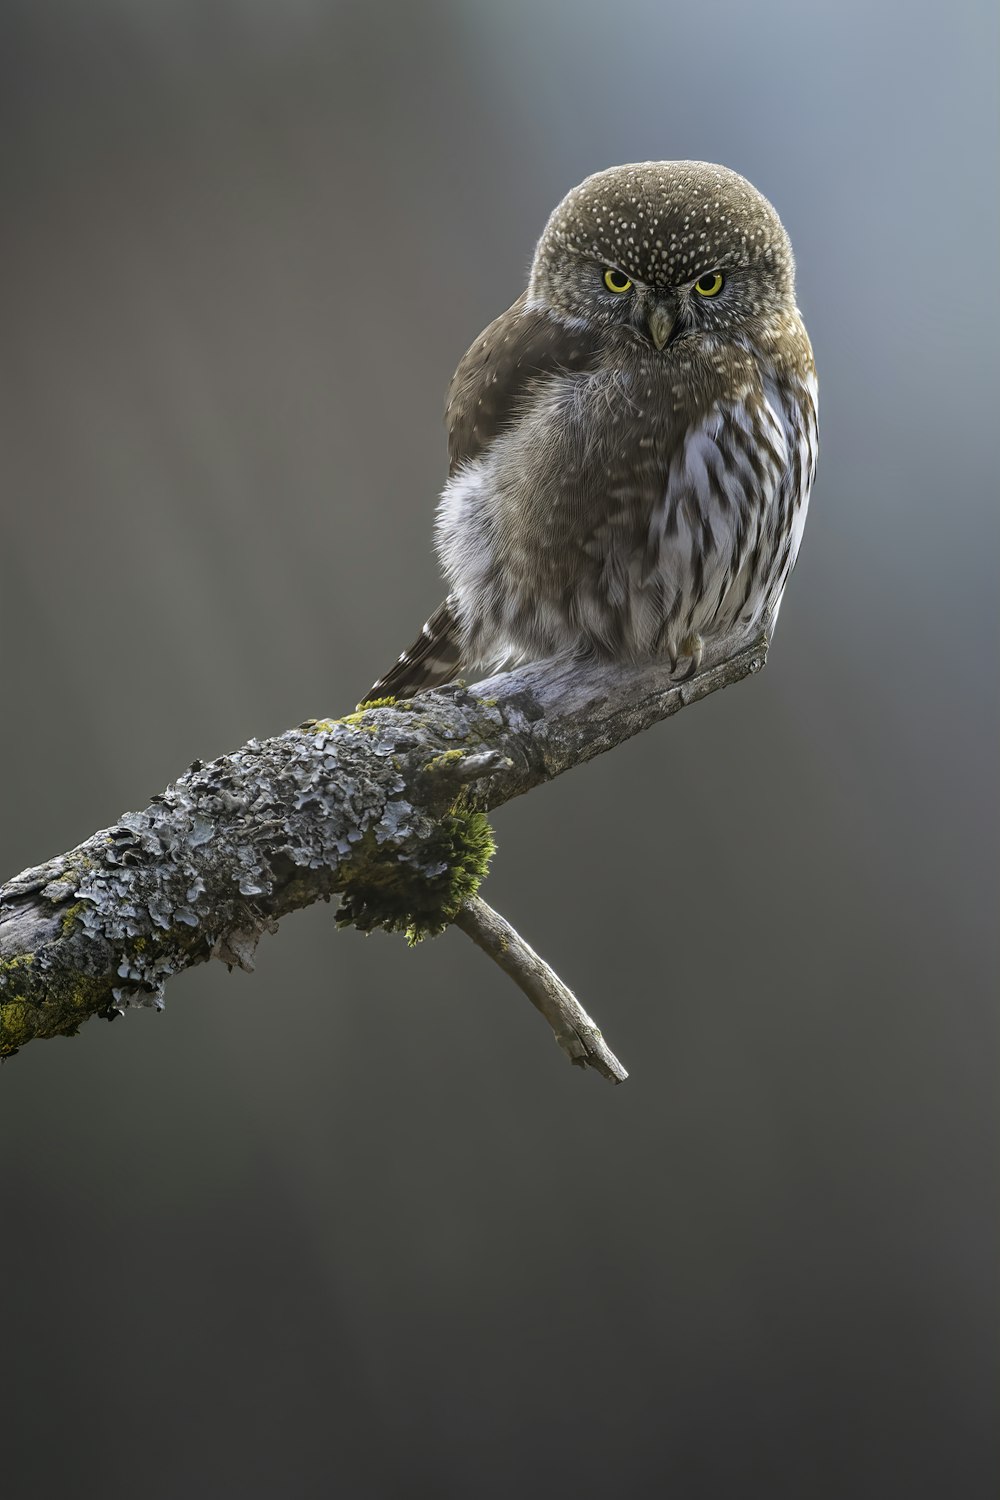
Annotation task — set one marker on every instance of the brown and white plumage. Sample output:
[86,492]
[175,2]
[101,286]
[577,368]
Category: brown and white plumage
[629,471]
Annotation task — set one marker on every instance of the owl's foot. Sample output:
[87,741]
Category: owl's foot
[691,647]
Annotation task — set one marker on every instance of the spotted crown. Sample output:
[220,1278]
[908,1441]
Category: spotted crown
[669,222]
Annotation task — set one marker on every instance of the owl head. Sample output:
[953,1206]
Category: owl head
[664,252]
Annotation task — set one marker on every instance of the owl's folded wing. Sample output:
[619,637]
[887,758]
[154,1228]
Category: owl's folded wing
[497,375]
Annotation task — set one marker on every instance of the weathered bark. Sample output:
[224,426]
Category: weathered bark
[385,808]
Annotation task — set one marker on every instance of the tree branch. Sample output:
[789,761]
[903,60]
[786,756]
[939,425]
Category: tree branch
[384,808]
[576,1033]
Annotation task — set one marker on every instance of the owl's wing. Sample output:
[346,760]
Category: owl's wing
[486,395]
[496,375]
[434,658]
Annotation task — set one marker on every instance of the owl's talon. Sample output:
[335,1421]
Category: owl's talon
[692,647]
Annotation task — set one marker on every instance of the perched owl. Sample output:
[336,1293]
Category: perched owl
[632,443]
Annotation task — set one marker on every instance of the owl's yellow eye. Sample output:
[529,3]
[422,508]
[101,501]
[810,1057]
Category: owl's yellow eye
[615,281]
[710,285]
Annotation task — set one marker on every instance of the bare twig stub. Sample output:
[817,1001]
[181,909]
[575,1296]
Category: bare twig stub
[384,809]
[578,1036]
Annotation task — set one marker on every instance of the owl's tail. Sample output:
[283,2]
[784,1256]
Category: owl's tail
[433,659]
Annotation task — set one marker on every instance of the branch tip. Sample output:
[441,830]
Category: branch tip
[577,1034]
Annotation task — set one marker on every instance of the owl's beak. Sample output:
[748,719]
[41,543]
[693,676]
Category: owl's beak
[661,323]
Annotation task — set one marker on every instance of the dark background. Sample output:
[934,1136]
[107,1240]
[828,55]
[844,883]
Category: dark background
[351,1226]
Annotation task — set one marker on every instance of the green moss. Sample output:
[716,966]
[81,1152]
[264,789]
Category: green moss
[70,915]
[447,757]
[36,1004]
[320,726]
[17,1019]
[16,961]
[14,972]
[17,1014]
[376,703]
[474,846]
[383,890]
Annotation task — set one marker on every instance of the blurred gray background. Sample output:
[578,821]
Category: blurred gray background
[350,1226]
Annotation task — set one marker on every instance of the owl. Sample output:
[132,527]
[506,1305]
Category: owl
[633,442]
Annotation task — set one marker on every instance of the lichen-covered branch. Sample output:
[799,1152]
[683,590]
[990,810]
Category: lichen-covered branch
[385,809]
